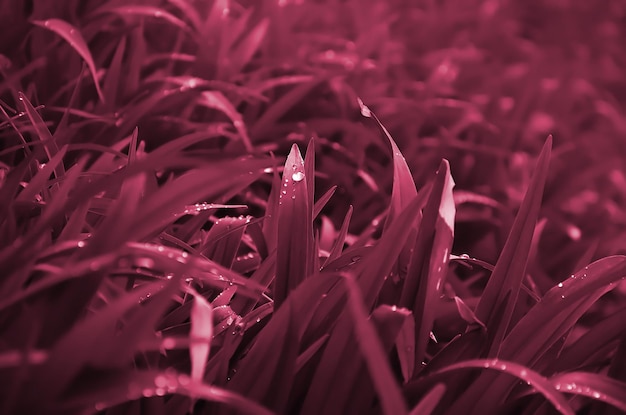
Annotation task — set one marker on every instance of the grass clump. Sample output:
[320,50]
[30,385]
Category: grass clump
[311,207]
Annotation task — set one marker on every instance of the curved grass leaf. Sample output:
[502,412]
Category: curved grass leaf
[81,346]
[44,135]
[217,100]
[143,11]
[38,184]
[592,385]
[224,238]
[534,334]
[602,333]
[340,239]
[220,180]
[101,393]
[73,36]
[539,383]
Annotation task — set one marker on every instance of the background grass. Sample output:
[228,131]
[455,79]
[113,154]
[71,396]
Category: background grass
[165,247]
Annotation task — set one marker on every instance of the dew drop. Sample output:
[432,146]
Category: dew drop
[168,343]
[160,381]
[596,395]
[464,256]
[560,285]
[183,380]
[563,297]
[298,176]
[160,392]
[147,392]
[81,244]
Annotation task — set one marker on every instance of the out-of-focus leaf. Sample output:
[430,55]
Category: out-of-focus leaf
[73,36]
[224,238]
[592,385]
[44,135]
[38,184]
[466,313]
[218,180]
[201,334]
[602,333]
[245,49]
[270,221]
[510,269]
[111,83]
[323,200]
[105,392]
[429,402]
[405,345]
[143,11]
[294,256]
[341,237]
[217,100]
[281,106]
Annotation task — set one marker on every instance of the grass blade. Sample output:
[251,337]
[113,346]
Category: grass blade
[200,335]
[429,402]
[593,386]
[74,38]
[510,269]
[294,259]
[429,262]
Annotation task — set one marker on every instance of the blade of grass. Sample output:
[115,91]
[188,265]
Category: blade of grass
[510,269]
[534,335]
[200,335]
[294,257]
[429,402]
[217,100]
[429,262]
[74,38]
[592,385]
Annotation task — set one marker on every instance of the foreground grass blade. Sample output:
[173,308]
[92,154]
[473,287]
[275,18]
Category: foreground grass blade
[79,347]
[429,402]
[539,383]
[72,36]
[266,373]
[429,262]
[510,269]
[44,135]
[110,391]
[593,385]
[369,343]
[295,254]
[200,335]
[403,190]
[533,335]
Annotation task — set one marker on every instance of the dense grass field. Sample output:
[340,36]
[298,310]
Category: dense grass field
[312,207]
